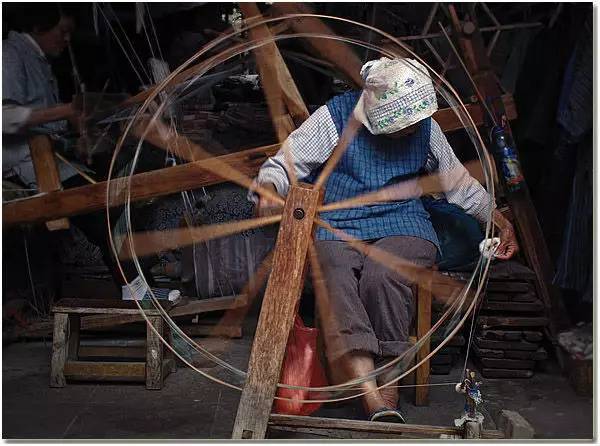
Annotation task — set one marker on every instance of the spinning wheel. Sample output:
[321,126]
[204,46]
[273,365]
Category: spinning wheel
[301,212]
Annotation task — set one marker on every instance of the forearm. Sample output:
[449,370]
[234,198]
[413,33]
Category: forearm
[501,222]
[17,118]
[50,114]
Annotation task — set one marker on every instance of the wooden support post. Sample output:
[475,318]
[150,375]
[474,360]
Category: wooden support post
[59,350]
[423,326]
[277,313]
[528,227]
[285,103]
[338,53]
[154,354]
[46,173]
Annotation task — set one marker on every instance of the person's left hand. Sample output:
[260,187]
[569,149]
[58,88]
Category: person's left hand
[508,243]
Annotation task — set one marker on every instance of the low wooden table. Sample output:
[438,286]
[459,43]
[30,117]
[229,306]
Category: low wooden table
[66,363]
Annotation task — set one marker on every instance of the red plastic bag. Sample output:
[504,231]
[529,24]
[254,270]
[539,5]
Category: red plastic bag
[301,367]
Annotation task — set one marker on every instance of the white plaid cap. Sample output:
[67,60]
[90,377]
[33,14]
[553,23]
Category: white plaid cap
[397,94]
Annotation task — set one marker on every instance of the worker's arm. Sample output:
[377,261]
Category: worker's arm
[17,113]
[307,147]
[17,118]
[465,191]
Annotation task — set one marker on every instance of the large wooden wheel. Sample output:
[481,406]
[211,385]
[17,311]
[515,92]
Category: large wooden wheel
[300,212]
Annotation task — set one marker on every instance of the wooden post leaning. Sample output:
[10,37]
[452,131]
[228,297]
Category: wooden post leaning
[46,173]
[277,312]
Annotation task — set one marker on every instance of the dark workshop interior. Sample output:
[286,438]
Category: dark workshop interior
[205,202]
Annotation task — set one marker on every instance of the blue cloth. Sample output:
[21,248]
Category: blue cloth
[459,235]
[370,163]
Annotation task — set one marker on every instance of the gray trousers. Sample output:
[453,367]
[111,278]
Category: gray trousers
[371,306]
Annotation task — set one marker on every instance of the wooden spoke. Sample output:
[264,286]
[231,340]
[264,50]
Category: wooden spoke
[438,284]
[145,243]
[414,188]
[161,136]
[352,127]
[235,316]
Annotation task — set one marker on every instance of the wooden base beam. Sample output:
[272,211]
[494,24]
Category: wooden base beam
[367,429]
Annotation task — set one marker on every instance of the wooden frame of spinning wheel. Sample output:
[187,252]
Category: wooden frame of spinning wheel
[294,238]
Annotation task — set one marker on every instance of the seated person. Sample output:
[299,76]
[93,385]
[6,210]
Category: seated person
[373,305]
[30,105]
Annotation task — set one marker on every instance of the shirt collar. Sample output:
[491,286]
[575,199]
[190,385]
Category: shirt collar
[35,44]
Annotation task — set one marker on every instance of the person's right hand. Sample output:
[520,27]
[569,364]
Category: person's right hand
[267,206]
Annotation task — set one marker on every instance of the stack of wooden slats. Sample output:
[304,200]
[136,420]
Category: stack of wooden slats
[510,323]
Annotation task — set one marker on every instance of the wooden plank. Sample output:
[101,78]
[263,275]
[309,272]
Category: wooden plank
[504,345]
[309,433]
[160,182]
[509,287]
[112,351]
[487,353]
[105,371]
[108,321]
[423,326]
[154,354]
[361,426]
[59,350]
[503,363]
[505,373]
[277,313]
[505,321]
[501,335]
[46,173]
[524,297]
[538,355]
[106,306]
[530,296]
[207,305]
[521,307]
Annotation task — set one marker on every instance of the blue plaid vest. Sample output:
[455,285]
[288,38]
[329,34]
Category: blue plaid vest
[370,163]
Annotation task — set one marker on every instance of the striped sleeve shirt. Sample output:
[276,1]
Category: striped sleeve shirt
[313,142]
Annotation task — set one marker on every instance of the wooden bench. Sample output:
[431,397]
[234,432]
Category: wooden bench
[155,365]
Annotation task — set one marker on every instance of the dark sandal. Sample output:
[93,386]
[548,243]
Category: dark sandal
[386,415]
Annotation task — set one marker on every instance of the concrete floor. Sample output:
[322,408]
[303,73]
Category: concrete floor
[191,407]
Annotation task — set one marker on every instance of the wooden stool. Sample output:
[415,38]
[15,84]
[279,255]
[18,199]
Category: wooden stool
[65,345]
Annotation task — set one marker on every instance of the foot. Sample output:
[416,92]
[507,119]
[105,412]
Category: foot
[386,415]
